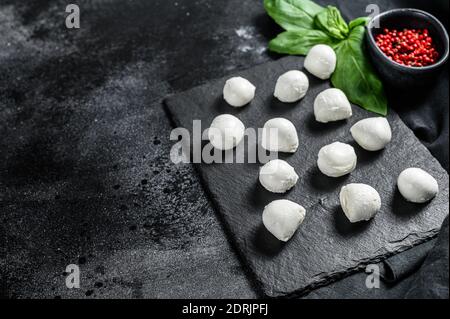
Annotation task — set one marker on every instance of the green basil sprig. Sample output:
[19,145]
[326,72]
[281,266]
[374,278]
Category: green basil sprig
[358,21]
[331,21]
[354,74]
[308,24]
[293,14]
[300,41]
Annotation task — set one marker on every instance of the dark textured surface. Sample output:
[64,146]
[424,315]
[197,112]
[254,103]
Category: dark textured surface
[80,113]
[327,246]
[431,281]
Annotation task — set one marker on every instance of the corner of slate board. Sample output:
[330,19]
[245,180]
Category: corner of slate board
[326,247]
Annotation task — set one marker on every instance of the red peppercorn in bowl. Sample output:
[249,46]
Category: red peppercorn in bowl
[408,46]
[411,47]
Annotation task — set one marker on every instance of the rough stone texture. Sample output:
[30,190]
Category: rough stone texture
[80,112]
[327,246]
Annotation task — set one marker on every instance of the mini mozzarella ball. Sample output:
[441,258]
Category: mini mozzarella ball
[416,185]
[336,159]
[291,86]
[321,61]
[226,131]
[277,176]
[359,202]
[331,105]
[279,135]
[238,91]
[372,134]
[282,218]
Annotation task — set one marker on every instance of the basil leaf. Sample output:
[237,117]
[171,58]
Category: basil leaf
[355,76]
[299,42]
[358,21]
[331,22]
[293,15]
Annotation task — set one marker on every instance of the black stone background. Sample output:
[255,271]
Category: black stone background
[327,246]
[85,175]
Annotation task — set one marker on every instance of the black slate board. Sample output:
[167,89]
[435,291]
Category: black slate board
[326,246]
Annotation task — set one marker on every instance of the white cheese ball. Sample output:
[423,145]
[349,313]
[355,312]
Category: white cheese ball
[282,218]
[359,202]
[226,131]
[321,61]
[336,159]
[279,135]
[291,86]
[416,185]
[331,105]
[372,134]
[277,176]
[238,91]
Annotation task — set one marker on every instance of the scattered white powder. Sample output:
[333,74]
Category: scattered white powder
[245,48]
[261,49]
[250,43]
[245,32]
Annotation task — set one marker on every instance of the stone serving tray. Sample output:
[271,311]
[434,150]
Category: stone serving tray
[326,246]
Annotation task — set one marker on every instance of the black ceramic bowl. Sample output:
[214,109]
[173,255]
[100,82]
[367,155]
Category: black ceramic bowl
[397,74]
